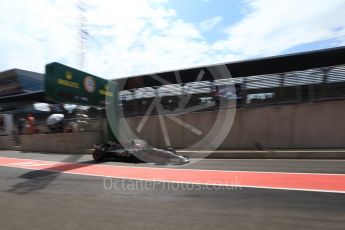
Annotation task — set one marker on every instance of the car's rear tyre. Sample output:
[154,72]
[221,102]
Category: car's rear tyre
[98,155]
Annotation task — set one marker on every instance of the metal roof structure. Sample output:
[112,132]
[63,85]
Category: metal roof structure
[262,72]
[246,68]
[20,87]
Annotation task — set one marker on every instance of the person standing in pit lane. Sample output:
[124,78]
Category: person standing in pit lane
[31,122]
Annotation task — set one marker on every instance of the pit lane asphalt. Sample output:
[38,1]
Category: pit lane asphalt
[50,200]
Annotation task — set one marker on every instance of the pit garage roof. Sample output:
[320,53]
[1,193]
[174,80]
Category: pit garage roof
[31,84]
[22,86]
[254,67]
[17,81]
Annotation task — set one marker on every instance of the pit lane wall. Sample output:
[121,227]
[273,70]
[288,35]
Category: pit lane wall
[300,126]
[54,143]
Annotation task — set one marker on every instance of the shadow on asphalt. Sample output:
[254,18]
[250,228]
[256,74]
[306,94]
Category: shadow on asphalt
[40,179]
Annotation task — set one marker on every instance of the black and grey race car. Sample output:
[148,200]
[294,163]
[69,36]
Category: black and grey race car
[137,151]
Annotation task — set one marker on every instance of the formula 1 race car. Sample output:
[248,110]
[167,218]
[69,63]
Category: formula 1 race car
[137,151]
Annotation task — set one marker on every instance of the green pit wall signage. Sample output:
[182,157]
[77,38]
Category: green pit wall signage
[69,85]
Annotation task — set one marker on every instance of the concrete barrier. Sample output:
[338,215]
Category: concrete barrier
[300,126]
[56,143]
[6,142]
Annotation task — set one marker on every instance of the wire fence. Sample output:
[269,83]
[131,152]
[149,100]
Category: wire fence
[312,85]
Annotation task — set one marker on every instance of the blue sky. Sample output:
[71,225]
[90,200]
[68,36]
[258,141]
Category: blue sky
[144,36]
[197,11]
